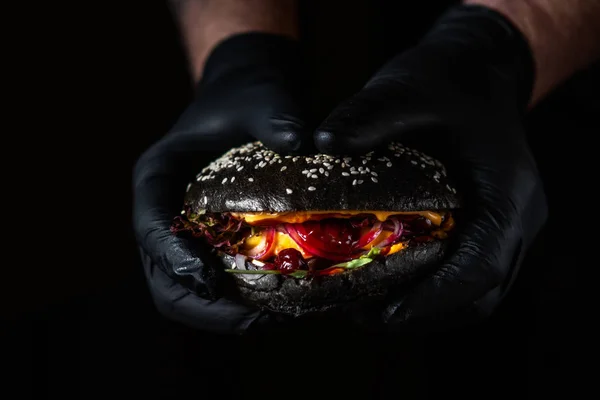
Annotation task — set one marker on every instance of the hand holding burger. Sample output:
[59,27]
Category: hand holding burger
[250,90]
[459,95]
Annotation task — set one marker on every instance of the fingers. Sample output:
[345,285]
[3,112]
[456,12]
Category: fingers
[487,250]
[369,119]
[281,125]
[160,179]
[286,134]
[178,303]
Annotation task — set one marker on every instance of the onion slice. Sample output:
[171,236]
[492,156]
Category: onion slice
[240,261]
[394,236]
[264,247]
[370,236]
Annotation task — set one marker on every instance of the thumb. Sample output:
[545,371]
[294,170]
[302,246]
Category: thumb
[373,117]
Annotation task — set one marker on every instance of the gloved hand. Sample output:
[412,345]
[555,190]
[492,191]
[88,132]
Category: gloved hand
[460,95]
[250,90]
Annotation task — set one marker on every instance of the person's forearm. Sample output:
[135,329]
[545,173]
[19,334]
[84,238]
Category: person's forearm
[205,23]
[564,36]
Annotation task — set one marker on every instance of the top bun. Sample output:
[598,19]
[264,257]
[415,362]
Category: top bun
[252,178]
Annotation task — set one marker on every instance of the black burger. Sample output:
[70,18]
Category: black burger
[304,234]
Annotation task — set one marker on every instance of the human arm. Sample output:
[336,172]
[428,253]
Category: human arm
[205,23]
[564,36]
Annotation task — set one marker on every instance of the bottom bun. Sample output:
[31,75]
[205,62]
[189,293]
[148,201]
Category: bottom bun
[295,297]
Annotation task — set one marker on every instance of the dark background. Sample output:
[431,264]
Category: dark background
[78,319]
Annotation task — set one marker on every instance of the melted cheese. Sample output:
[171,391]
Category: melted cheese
[302,216]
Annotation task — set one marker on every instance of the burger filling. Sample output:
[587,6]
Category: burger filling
[304,244]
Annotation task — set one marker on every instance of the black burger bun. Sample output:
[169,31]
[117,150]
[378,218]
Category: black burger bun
[252,178]
[296,297]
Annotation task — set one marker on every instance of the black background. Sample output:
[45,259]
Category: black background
[79,319]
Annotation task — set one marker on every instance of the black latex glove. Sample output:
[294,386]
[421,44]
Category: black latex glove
[460,95]
[249,91]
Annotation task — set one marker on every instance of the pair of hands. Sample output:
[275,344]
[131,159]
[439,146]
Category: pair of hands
[458,95]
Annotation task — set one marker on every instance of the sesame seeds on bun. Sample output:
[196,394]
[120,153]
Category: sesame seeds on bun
[252,178]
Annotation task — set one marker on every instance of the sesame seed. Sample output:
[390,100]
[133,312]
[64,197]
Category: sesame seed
[360,181]
[413,162]
[422,165]
[354,172]
[251,179]
[326,164]
[305,172]
[374,179]
[330,167]
[345,174]
[289,191]
[312,188]
[321,170]
[374,173]
[240,168]
[343,165]
[354,182]
[223,181]
[283,168]
[312,170]
[389,164]
[187,189]
[337,161]
[365,161]
[326,173]
[314,176]
[232,178]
